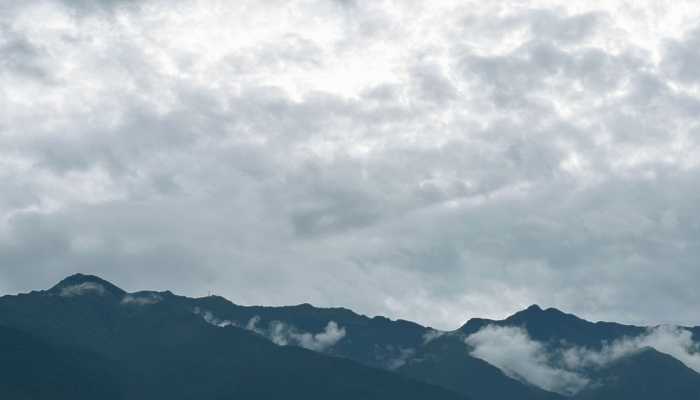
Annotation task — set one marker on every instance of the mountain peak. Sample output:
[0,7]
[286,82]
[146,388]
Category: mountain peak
[535,311]
[534,308]
[81,284]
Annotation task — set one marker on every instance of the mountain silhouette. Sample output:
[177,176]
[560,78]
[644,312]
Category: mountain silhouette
[552,325]
[81,284]
[168,352]
[377,342]
[87,338]
[32,369]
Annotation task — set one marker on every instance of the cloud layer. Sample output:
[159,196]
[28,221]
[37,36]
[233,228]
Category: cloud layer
[424,162]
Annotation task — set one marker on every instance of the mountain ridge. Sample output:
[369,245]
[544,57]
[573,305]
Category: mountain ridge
[170,352]
[89,312]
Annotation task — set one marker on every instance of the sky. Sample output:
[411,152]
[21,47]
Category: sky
[431,161]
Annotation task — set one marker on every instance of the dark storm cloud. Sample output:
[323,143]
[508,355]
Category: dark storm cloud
[432,164]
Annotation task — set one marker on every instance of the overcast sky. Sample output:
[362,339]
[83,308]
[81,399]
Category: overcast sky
[432,161]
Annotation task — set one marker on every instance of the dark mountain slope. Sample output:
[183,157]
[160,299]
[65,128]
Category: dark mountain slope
[33,369]
[159,345]
[644,375]
[446,362]
[696,333]
[209,362]
[377,342]
[169,352]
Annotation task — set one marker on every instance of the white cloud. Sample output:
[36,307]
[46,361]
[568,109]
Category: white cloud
[252,324]
[511,350]
[142,299]
[564,369]
[81,289]
[431,335]
[283,334]
[401,358]
[210,318]
[672,340]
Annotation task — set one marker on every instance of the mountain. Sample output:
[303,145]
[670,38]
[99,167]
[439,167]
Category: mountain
[79,284]
[33,369]
[554,326]
[166,351]
[383,343]
[644,375]
[87,338]
[446,362]
[376,342]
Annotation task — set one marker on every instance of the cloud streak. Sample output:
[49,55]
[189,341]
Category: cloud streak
[82,289]
[142,299]
[283,334]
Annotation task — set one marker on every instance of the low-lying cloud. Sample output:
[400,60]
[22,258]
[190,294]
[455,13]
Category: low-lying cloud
[431,335]
[283,334]
[211,319]
[563,369]
[669,339]
[513,351]
[401,358]
[81,289]
[142,299]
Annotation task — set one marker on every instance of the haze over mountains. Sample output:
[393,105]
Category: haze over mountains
[87,338]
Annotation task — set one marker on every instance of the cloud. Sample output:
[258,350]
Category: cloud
[450,161]
[283,334]
[672,340]
[511,350]
[431,335]
[142,299]
[675,341]
[211,319]
[565,369]
[252,324]
[681,60]
[82,289]
[401,358]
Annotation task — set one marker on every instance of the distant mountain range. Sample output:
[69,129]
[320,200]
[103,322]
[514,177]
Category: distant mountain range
[86,338]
